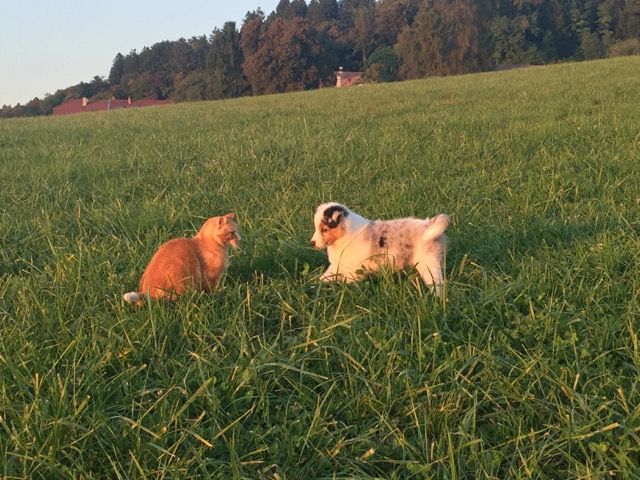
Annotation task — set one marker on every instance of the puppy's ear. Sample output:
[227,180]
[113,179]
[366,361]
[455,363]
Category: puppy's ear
[222,220]
[334,220]
[334,215]
[230,215]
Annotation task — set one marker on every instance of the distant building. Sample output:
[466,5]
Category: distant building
[81,105]
[347,79]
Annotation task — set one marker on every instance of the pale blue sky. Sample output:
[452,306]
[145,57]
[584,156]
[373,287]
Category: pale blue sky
[50,44]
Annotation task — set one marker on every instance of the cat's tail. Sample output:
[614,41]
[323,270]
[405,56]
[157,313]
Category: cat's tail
[134,298]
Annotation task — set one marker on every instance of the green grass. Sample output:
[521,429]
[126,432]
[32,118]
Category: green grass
[529,369]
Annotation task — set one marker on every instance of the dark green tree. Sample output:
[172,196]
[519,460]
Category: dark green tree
[197,85]
[200,47]
[117,69]
[145,85]
[290,9]
[630,19]
[364,31]
[382,65]
[224,63]
[287,59]
[442,40]
[251,32]
[131,64]
[391,17]
[511,43]
[320,12]
[181,58]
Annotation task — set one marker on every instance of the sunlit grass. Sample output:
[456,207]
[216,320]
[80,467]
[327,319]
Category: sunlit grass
[528,369]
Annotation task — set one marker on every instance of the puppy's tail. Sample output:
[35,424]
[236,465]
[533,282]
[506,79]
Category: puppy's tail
[436,228]
[134,298]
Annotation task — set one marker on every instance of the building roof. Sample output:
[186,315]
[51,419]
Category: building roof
[80,105]
[347,79]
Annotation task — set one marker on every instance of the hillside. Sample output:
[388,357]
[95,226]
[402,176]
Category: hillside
[529,368]
[300,44]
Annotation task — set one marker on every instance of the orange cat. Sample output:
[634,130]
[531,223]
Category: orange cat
[196,263]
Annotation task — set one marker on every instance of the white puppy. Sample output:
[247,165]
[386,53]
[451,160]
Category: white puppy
[356,245]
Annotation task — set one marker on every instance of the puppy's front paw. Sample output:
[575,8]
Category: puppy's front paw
[328,277]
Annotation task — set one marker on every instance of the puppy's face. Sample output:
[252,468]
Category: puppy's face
[329,222]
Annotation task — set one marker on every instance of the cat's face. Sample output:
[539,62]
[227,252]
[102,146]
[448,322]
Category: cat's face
[223,229]
[229,229]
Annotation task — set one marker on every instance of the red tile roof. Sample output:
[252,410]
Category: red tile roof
[71,106]
[77,106]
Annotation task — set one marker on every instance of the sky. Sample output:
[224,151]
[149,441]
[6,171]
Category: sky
[46,45]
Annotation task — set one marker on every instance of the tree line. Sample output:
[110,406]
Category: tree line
[300,44]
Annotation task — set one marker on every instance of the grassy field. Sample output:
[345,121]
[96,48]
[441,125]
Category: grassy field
[528,369]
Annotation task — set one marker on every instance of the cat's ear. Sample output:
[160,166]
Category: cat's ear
[225,218]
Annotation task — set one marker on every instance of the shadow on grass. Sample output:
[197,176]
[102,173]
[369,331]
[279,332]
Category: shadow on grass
[290,261]
[499,245]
